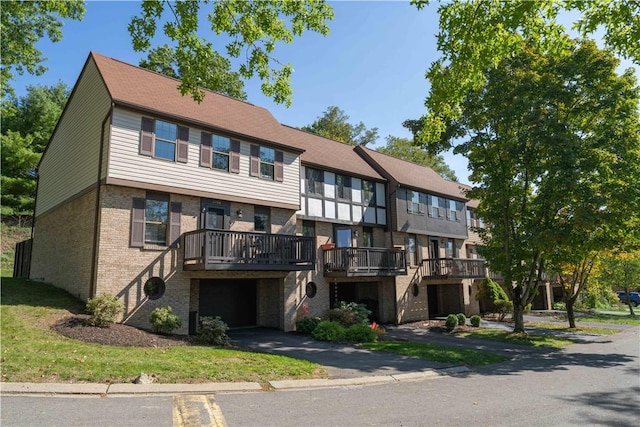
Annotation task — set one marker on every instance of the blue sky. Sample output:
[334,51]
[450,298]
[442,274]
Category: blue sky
[372,65]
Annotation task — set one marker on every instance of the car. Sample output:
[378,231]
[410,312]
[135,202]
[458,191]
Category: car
[634,297]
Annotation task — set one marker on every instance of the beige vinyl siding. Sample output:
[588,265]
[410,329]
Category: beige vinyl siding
[70,163]
[125,162]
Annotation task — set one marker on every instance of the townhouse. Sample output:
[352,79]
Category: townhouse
[218,209]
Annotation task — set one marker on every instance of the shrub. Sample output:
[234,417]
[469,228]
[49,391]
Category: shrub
[361,311]
[212,330]
[475,320]
[504,307]
[360,333]
[307,324]
[462,319]
[560,305]
[342,316]
[328,331]
[163,320]
[104,309]
[451,322]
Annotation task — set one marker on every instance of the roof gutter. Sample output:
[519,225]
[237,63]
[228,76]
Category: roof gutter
[96,218]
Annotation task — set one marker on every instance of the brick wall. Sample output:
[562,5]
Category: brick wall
[63,245]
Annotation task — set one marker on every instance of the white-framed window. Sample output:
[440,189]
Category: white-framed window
[414,199]
[435,206]
[166,137]
[343,187]
[453,213]
[315,181]
[267,163]
[221,146]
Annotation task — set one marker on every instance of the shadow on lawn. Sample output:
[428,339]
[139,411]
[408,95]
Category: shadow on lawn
[38,294]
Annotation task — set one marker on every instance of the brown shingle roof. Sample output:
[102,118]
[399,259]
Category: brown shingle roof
[415,176]
[139,88]
[329,154]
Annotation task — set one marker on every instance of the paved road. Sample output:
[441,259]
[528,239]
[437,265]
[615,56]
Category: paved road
[592,383]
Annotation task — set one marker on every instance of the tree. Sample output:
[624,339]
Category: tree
[25,135]
[24,23]
[475,36]
[334,124]
[218,77]
[553,145]
[405,149]
[622,271]
[254,27]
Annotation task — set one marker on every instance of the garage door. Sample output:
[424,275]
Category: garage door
[233,300]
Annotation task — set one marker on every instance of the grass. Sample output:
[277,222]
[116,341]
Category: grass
[534,340]
[561,327]
[33,353]
[11,235]
[437,353]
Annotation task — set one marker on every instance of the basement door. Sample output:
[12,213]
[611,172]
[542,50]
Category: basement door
[235,301]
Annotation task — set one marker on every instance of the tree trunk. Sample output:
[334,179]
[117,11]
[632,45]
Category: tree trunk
[570,314]
[518,318]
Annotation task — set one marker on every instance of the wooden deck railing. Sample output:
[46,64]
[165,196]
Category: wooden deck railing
[240,250]
[364,262]
[453,268]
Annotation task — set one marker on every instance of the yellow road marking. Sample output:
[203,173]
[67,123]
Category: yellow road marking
[196,411]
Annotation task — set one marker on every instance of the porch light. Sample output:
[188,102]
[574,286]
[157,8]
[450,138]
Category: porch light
[239,213]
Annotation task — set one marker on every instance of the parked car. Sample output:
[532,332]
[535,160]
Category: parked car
[633,296]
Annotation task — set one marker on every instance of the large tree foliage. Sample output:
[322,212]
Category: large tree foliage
[553,145]
[334,124]
[218,77]
[621,271]
[253,27]
[23,24]
[405,149]
[25,135]
[476,35]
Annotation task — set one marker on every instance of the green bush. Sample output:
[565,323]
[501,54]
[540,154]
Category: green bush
[360,333]
[163,320]
[451,322]
[103,309]
[560,305]
[504,307]
[462,319]
[307,324]
[329,331]
[361,311]
[475,320]
[212,330]
[342,316]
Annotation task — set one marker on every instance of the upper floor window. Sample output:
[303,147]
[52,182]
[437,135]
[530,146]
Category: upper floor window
[164,140]
[267,163]
[414,199]
[155,220]
[435,207]
[261,219]
[343,187]
[314,178]
[221,147]
[368,193]
[219,152]
[453,211]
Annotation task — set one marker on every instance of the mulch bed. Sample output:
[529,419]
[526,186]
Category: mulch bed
[115,334]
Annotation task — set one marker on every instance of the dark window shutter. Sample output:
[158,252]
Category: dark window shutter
[174,223]
[279,167]
[147,136]
[234,156]
[183,144]
[254,169]
[205,149]
[137,222]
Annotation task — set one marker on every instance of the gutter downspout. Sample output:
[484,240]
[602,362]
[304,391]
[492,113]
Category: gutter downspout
[96,218]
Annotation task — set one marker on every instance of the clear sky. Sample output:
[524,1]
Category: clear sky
[372,64]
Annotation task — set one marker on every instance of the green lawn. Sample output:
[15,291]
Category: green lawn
[534,340]
[33,353]
[581,329]
[437,353]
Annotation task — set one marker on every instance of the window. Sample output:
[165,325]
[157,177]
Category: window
[368,193]
[343,237]
[267,163]
[155,220]
[156,215]
[435,206]
[164,140]
[450,248]
[308,228]
[343,187]
[367,237]
[154,288]
[315,184]
[221,147]
[412,249]
[453,213]
[413,202]
[261,219]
